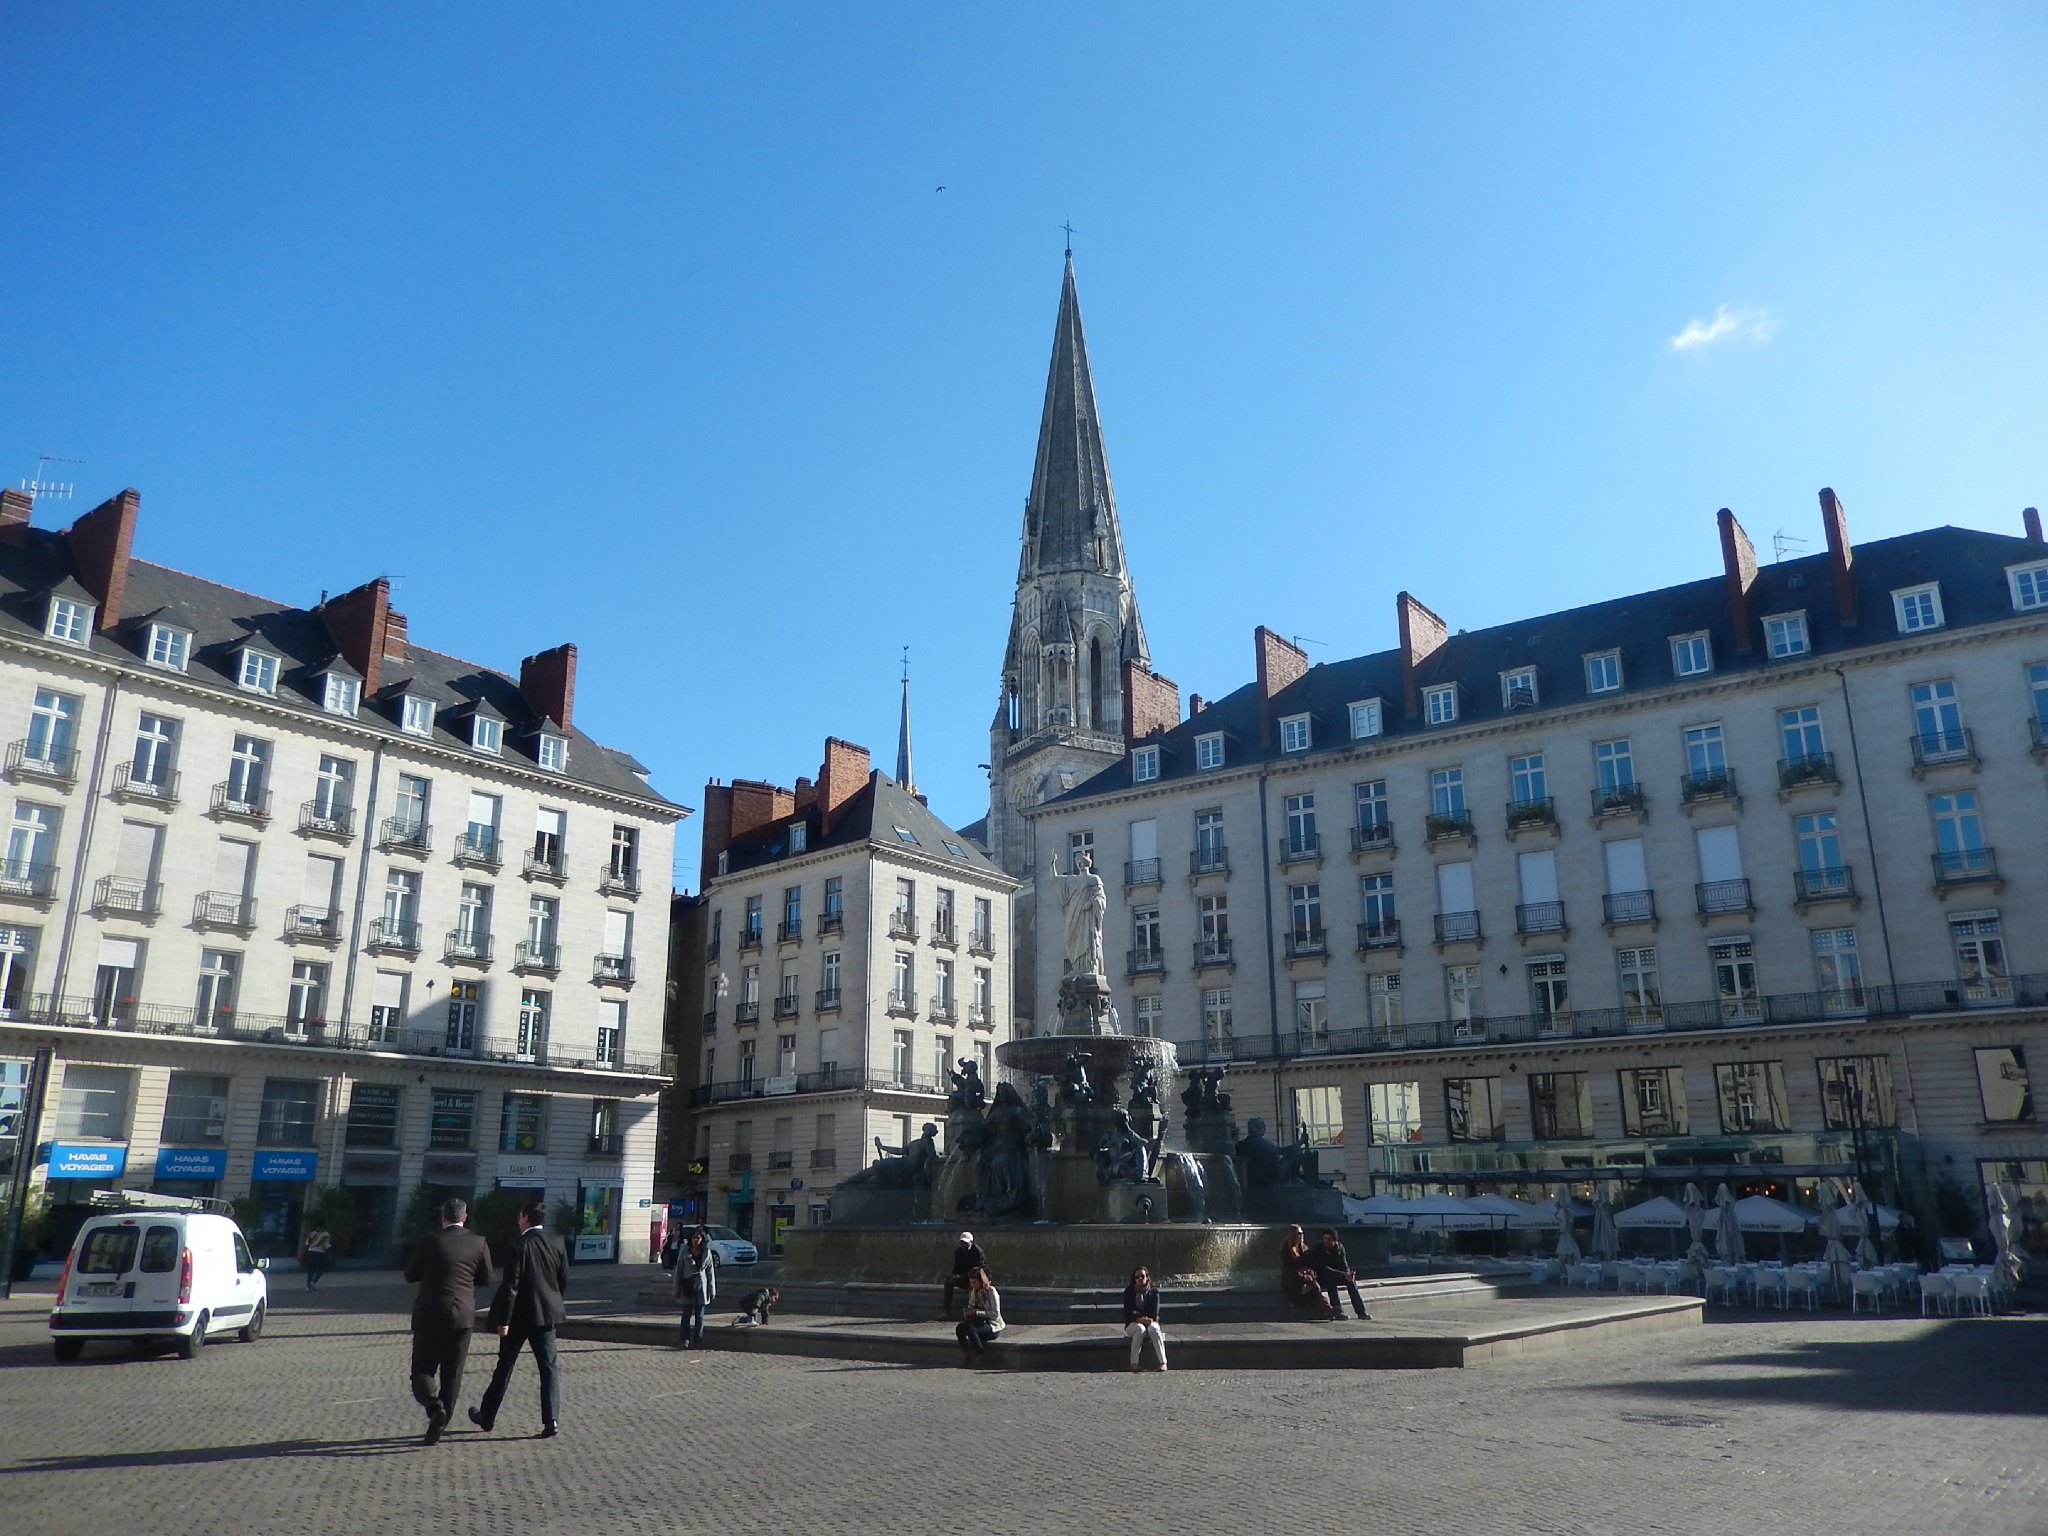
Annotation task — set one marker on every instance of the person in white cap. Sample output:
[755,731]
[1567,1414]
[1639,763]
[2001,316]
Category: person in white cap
[967,1258]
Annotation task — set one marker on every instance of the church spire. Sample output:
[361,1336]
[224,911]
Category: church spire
[1070,519]
[904,778]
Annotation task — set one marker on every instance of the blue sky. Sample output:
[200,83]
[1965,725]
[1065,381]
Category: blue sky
[644,326]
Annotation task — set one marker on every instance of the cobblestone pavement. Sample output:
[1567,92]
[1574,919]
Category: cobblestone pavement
[1815,1426]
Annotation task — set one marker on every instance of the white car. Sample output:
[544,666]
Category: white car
[730,1247]
[158,1269]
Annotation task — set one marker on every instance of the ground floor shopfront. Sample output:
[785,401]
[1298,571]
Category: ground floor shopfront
[357,1140]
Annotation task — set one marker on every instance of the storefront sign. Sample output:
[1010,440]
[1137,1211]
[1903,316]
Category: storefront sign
[779,1085]
[523,1171]
[79,1160]
[596,1248]
[296,1165]
[192,1162]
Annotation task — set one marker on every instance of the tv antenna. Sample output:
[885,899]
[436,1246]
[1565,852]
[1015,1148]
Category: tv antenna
[1782,544]
[1303,640]
[40,489]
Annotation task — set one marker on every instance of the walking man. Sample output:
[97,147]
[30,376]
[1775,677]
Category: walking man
[1333,1270]
[447,1265]
[527,1310]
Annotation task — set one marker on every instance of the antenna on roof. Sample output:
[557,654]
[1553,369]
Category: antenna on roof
[40,489]
[1301,640]
[1782,543]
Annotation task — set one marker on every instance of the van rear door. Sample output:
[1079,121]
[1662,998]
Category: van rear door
[103,1277]
[160,1271]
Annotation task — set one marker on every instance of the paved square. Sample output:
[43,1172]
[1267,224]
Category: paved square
[1814,1426]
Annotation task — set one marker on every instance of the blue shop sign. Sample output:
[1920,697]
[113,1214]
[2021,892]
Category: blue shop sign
[78,1160]
[192,1162]
[297,1165]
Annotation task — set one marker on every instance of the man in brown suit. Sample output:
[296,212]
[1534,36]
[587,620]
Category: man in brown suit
[448,1266]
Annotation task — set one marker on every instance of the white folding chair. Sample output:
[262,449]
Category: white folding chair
[1799,1282]
[1770,1284]
[1722,1280]
[1866,1284]
[1972,1293]
[1940,1291]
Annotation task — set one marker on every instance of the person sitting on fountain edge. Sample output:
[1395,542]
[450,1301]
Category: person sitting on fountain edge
[1299,1282]
[1141,1317]
[1333,1269]
[967,1258]
[983,1319]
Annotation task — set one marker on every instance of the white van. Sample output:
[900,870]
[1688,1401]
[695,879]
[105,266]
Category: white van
[158,1268]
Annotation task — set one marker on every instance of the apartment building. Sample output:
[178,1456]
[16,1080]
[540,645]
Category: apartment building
[856,948]
[297,902]
[1745,874]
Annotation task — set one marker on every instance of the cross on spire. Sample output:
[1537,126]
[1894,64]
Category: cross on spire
[1069,228]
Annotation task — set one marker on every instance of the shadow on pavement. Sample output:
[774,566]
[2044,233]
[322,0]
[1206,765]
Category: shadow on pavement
[1994,1366]
[383,1445]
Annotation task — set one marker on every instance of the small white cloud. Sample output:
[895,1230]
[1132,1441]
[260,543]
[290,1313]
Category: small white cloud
[1754,325]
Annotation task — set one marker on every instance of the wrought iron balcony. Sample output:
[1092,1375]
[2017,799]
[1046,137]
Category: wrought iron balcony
[1212,952]
[544,864]
[1714,784]
[980,941]
[1382,935]
[394,934]
[942,1009]
[785,1005]
[1723,896]
[750,938]
[1209,859]
[127,895]
[327,821]
[746,1013]
[1813,768]
[827,1000]
[529,955]
[401,835]
[1935,749]
[1836,884]
[619,882]
[1528,815]
[242,803]
[224,909]
[1442,826]
[40,760]
[1966,866]
[942,932]
[1144,962]
[1141,872]
[1304,942]
[903,925]
[711,952]
[1619,800]
[979,1016]
[1377,838]
[782,1157]
[1457,927]
[790,932]
[831,922]
[1620,907]
[477,846]
[615,969]
[152,786]
[321,924]
[824,1157]
[1303,847]
[1539,917]
[467,945]
[904,1003]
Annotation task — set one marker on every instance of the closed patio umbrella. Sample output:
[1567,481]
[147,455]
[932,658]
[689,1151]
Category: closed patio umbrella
[1727,1230]
[1834,1256]
[1567,1245]
[2012,1269]
[1696,1225]
[1606,1241]
[1866,1224]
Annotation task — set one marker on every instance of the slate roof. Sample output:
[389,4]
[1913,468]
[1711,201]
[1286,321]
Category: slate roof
[223,619]
[1969,565]
[874,812]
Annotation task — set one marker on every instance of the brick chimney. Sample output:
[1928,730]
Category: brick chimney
[15,507]
[843,776]
[357,620]
[1280,662]
[1840,556]
[395,637]
[717,833]
[1196,704]
[757,804]
[1151,702]
[1422,634]
[2029,516]
[549,683]
[806,794]
[1738,558]
[99,543]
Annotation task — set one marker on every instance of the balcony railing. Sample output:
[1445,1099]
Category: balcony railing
[980,941]
[477,846]
[1813,768]
[619,882]
[126,894]
[1935,748]
[1457,927]
[241,803]
[327,821]
[750,938]
[904,1003]
[1619,800]
[1382,935]
[942,1009]
[903,925]
[1722,896]
[831,922]
[318,923]
[1540,917]
[224,909]
[466,944]
[1629,907]
[1297,847]
[824,1157]
[27,880]
[980,1017]
[789,932]
[1304,942]
[1144,962]
[609,1145]
[785,1005]
[746,1013]
[1836,884]
[1209,859]
[1442,826]
[544,864]
[827,1000]
[533,955]
[1377,838]
[942,932]
[38,760]
[394,934]
[1212,952]
[616,969]
[782,1157]
[158,787]
[827,1080]
[399,835]
[1141,872]
[1966,866]
[1527,815]
[1714,784]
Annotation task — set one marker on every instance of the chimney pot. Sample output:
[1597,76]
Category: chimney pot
[1840,555]
[1738,560]
[1422,633]
[2031,517]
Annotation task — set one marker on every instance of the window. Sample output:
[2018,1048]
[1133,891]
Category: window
[1614,763]
[905,835]
[1980,956]
[900,1049]
[1216,1026]
[68,621]
[942,1057]
[258,671]
[481,831]
[305,1003]
[1301,823]
[1786,635]
[340,695]
[1366,719]
[416,715]
[401,902]
[1838,969]
[94,1103]
[1799,731]
[387,1006]
[290,1110]
[1560,1105]
[1305,907]
[1463,999]
[625,860]
[611,1032]
[2002,1080]
[2029,585]
[1312,1015]
[828,979]
[373,1115]
[1692,655]
[1957,831]
[984,1004]
[1376,899]
[1394,1112]
[1210,852]
[1440,704]
[332,787]
[486,735]
[1294,733]
[1518,688]
[1918,608]
[1144,765]
[749,1056]
[156,754]
[409,807]
[906,907]
[543,918]
[1213,913]
[1447,793]
[1383,1007]
[473,917]
[17,947]
[1547,993]
[1320,1111]
[1528,779]
[52,720]
[1472,1109]
[31,842]
[1149,1016]
[523,1123]
[551,752]
[828,1050]
[248,773]
[196,1110]
[1641,998]
[1752,1096]
[451,1121]
[942,989]
[1603,672]
[1856,1092]
[1145,933]
[1209,750]
[1372,805]
[169,647]
[1653,1101]
[1938,718]
[903,991]
[1734,962]
[1706,756]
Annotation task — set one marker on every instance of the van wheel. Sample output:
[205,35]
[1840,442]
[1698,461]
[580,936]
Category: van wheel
[190,1344]
[67,1349]
[254,1331]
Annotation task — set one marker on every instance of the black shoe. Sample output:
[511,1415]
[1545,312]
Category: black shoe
[547,1432]
[436,1422]
[479,1421]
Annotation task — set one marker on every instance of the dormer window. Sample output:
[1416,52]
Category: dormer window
[169,647]
[1786,634]
[416,715]
[1518,688]
[1209,750]
[552,752]
[2029,584]
[1918,608]
[1294,733]
[1440,704]
[1692,655]
[1144,765]
[905,835]
[486,734]
[1366,719]
[69,621]
[799,836]
[257,671]
[1603,672]
[340,695]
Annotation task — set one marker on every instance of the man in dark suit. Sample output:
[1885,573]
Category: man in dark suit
[527,1310]
[447,1266]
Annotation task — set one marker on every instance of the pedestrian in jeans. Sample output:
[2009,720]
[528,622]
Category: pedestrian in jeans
[1141,1317]
[984,1317]
[1333,1269]
[967,1258]
[317,1257]
[696,1285]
